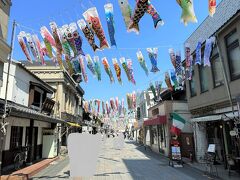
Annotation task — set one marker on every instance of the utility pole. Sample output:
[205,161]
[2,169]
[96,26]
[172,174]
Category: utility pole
[3,123]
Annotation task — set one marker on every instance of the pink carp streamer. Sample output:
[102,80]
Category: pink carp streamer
[134,98]
[112,104]
[92,17]
[81,61]
[39,47]
[116,102]
[48,35]
[130,70]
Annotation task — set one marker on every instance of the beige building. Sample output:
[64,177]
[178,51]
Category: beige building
[157,127]
[68,96]
[4,47]
[209,93]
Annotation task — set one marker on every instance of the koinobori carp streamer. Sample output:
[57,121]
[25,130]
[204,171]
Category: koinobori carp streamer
[152,53]
[92,17]
[130,71]
[81,61]
[157,20]
[107,69]
[126,11]
[77,39]
[117,70]
[140,10]
[24,47]
[89,35]
[142,62]
[90,64]
[97,67]
[188,14]
[168,81]
[110,23]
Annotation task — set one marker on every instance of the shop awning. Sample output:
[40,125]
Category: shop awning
[224,116]
[73,124]
[156,121]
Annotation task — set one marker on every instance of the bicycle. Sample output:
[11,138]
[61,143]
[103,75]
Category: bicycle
[20,158]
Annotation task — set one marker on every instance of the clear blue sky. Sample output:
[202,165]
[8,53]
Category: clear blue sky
[34,14]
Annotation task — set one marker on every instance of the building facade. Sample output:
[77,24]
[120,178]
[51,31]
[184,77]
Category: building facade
[157,127]
[212,92]
[145,100]
[68,97]
[30,115]
[4,47]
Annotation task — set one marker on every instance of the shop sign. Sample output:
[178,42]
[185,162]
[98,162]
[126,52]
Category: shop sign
[211,148]
[176,153]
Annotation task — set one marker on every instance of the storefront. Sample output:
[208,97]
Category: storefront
[155,131]
[216,129]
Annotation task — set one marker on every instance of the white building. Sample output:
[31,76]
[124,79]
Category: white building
[145,100]
[30,117]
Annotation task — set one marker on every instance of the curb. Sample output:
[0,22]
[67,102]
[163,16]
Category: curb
[26,173]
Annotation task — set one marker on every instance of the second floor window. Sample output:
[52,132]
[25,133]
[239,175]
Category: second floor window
[203,75]
[217,69]
[192,86]
[233,52]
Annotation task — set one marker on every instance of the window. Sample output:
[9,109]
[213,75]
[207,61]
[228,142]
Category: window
[162,136]
[203,74]
[192,85]
[37,98]
[233,53]
[155,112]
[216,68]
[16,137]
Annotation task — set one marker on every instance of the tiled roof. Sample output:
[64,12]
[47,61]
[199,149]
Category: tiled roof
[18,110]
[224,12]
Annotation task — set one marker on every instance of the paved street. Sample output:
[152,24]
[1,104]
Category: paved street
[132,162]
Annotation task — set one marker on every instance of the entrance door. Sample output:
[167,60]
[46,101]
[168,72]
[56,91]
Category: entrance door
[31,141]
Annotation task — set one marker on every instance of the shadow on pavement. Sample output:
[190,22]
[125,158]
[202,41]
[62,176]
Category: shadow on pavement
[157,164]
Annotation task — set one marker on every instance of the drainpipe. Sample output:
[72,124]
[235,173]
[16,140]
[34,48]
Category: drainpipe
[224,75]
